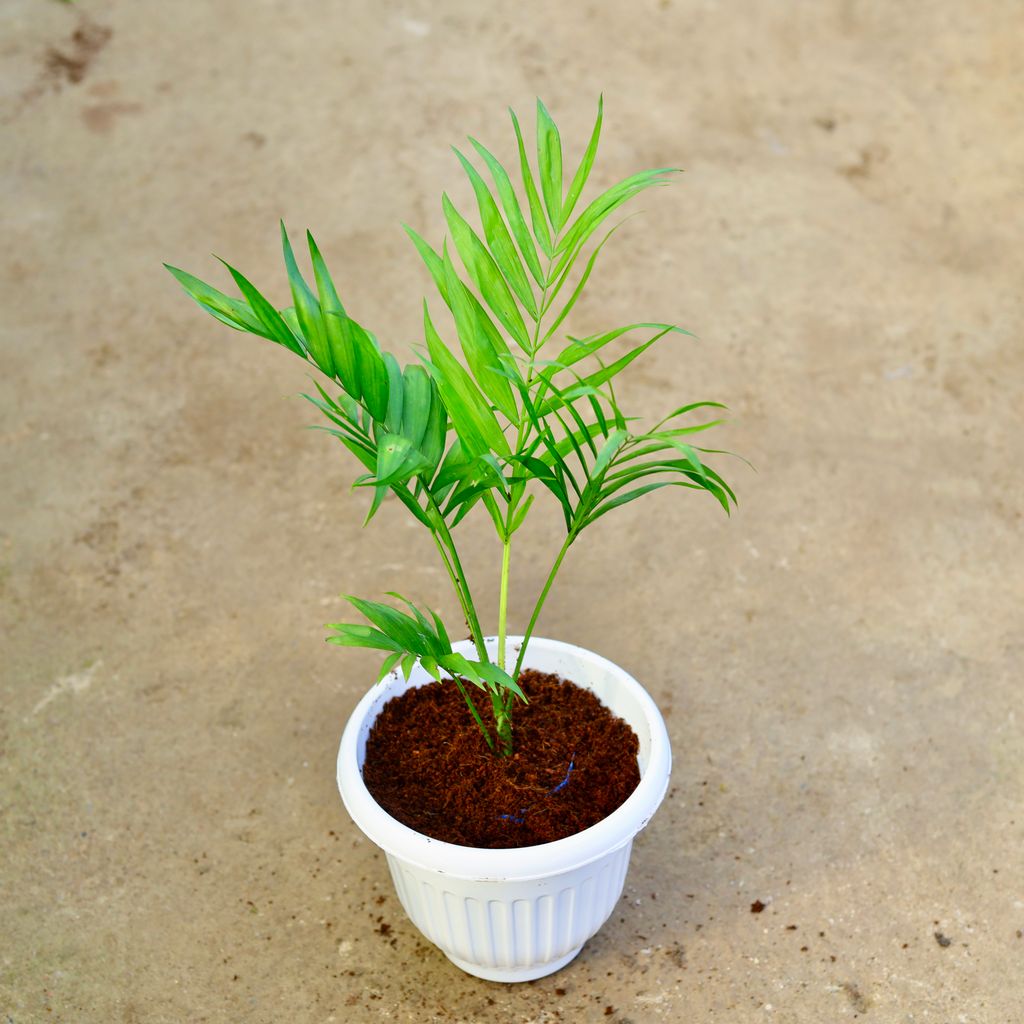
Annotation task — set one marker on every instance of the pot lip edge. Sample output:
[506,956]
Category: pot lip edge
[517,864]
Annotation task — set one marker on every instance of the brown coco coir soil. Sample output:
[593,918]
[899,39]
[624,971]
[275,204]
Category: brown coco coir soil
[428,765]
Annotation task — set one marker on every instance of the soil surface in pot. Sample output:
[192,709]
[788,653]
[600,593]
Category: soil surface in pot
[428,765]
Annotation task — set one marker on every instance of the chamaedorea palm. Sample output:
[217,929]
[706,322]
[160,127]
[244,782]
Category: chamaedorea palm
[444,437]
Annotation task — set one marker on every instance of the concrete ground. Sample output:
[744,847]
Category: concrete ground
[840,663]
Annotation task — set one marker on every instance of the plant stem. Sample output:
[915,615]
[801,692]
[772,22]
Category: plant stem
[540,602]
[506,553]
[473,711]
[450,555]
[502,723]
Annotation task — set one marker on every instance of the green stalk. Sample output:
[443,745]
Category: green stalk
[502,723]
[450,557]
[473,711]
[506,553]
[501,704]
[540,603]
[446,545]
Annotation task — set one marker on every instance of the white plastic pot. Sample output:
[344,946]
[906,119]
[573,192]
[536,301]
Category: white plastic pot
[514,915]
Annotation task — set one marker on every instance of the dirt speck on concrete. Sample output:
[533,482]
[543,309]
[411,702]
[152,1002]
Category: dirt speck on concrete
[859,1002]
[69,63]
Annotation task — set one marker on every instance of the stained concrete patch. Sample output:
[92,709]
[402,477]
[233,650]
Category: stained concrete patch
[69,63]
[75,683]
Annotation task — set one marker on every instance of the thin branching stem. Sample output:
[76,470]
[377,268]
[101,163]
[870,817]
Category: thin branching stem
[446,544]
[540,602]
[506,553]
[522,435]
[473,711]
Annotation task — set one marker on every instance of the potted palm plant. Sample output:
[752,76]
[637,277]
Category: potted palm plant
[527,410]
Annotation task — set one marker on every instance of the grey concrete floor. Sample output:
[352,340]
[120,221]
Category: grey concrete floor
[840,663]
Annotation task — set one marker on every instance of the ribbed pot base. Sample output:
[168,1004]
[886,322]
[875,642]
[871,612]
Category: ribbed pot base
[515,973]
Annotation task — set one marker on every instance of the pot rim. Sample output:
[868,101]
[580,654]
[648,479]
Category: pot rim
[523,863]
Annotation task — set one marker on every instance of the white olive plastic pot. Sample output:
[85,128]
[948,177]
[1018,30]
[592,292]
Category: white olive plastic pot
[514,915]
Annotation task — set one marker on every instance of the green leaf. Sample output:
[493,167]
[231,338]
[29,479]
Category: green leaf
[432,442]
[709,472]
[470,414]
[697,428]
[346,427]
[597,378]
[571,441]
[431,259]
[555,451]
[540,227]
[458,665]
[499,241]
[457,465]
[549,161]
[388,664]
[421,619]
[307,310]
[467,506]
[577,291]
[683,409]
[411,504]
[548,478]
[272,321]
[397,459]
[371,374]
[227,310]
[473,479]
[492,336]
[490,464]
[574,437]
[380,492]
[513,212]
[609,201]
[599,415]
[356,635]
[408,664]
[485,274]
[418,389]
[615,441]
[339,337]
[689,455]
[494,512]
[402,629]
[367,456]
[483,358]
[520,515]
[499,678]
[442,633]
[580,348]
[289,316]
[344,406]
[584,434]
[709,480]
[583,171]
[467,493]
[396,394]
[329,301]
[623,499]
